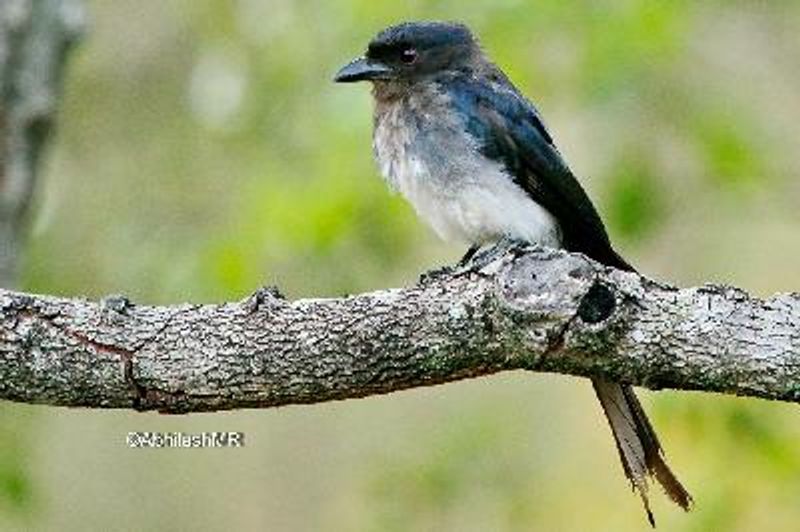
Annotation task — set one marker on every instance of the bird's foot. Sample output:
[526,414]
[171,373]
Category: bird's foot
[469,255]
[477,258]
[433,275]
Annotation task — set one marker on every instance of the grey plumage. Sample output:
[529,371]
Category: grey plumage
[455,137]
[422,149]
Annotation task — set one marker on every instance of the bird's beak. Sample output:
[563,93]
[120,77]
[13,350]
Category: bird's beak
[362,69]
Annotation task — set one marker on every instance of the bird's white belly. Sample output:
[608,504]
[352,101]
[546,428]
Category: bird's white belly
[426,155]
[475,209]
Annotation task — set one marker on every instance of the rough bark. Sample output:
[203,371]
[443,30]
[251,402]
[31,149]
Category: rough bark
[530,309]
[34,38]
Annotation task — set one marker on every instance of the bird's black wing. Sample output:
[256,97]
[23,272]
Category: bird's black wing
[510,130]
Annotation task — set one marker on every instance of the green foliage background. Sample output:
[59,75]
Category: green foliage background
[203,152]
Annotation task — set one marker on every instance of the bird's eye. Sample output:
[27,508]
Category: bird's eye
[408,56]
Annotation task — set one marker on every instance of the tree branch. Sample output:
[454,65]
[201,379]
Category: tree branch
[539,310]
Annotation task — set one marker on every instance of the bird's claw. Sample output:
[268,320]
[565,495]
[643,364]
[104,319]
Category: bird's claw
[478,258]
[433,275]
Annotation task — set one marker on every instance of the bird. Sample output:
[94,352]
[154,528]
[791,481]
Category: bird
[456,138]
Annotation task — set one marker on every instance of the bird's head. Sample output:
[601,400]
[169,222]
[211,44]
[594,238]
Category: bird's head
[412,51]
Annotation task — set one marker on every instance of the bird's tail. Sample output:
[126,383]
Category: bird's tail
[637,443]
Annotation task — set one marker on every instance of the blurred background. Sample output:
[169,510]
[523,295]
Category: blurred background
[202,151]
